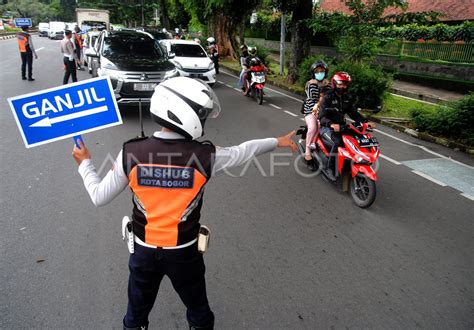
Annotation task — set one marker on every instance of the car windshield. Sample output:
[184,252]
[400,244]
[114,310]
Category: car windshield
[185,50]
[132,46]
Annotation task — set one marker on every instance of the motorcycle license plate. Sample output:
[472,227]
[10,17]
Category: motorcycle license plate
[368,142]
[144,87]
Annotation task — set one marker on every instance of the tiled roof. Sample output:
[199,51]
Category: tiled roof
[453,10]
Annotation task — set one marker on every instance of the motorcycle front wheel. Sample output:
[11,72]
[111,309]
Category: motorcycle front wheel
[259,95]
[362,190]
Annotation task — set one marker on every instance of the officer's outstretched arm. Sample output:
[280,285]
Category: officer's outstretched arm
[235,156]
[100,191]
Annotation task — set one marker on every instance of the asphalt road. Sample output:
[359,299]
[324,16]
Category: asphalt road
[287,251]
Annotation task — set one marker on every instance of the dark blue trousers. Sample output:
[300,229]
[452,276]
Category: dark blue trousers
[185,268]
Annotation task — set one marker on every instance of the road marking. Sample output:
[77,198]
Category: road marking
[273,105]
[410,98]
[390,160]
[39,49]
[302,119]
[238,90]
[468,196]
[379,131]
[230,86]
[290,113]
[221,82]
[427,177]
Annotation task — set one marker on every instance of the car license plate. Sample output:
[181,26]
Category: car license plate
[144,87]
[195,75]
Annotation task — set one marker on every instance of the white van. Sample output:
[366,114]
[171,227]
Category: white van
[56,30]
[43,29]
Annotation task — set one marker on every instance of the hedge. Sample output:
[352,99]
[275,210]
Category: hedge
[439,32]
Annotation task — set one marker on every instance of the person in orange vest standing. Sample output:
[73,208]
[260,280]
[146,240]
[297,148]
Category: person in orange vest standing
[27,50]
[78,44]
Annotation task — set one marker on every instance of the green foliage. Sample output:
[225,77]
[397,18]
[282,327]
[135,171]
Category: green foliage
[34,9]
[453,121]
[303,70]
[369,83]
[439,32]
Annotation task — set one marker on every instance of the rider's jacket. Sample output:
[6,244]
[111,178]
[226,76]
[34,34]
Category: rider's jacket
[167,178]
[335,107]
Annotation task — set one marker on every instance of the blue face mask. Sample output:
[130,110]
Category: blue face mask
[319,76]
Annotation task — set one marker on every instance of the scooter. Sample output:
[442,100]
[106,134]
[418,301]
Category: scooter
[257,82]
[353,166]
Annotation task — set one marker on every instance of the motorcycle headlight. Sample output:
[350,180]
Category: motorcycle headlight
[211,66]
[171,74]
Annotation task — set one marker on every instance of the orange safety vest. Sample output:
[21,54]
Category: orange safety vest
[78,40]
[167,178]
[23,42]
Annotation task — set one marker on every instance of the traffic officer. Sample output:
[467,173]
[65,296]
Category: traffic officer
[214,52]
[167,173]
[68,49]
[27,50]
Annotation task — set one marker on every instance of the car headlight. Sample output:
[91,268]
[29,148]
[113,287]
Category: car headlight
[211,66]
[106,64]
[178,65]
[171,74]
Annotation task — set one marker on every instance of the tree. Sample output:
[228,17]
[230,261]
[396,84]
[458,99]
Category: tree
[224,19]
[300,11]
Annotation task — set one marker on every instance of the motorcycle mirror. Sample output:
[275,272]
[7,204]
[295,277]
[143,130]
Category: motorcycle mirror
[377,109]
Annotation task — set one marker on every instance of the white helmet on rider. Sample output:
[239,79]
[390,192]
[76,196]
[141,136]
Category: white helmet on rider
[183,105]
[211,40]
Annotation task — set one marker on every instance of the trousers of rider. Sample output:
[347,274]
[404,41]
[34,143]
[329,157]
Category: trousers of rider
[184,267]
[312,124]
[336,139]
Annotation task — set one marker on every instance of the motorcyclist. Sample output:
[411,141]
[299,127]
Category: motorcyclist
[335,105]
[214,52]
[254,61]
[315,89]
[244,63]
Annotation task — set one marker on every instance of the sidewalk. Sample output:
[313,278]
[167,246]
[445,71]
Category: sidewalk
[424,93]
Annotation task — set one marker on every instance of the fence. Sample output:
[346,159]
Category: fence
[445,51]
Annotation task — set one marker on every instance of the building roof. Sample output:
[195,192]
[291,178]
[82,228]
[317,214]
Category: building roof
[453,10]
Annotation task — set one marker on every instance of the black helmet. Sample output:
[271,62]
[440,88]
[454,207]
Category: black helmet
[319,64]
[254,61]
[243,46]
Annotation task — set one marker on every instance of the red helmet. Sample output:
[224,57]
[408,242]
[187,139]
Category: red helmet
[340,77]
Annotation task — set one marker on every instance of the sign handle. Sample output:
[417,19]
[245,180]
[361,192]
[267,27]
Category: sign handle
[78,138]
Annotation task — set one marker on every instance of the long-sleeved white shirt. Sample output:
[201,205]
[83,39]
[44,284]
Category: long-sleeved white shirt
[104,191]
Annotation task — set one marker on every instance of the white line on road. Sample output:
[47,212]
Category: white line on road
[230,86]
[39,49]
[468,196]
[290,113]
[238,90]
[390,160]
[273,105]
[221,82]
[427,177]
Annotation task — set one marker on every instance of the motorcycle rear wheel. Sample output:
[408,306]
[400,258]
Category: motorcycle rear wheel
[362,190]
[259,95]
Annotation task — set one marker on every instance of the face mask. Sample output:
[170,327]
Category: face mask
[341,91]
[319,76]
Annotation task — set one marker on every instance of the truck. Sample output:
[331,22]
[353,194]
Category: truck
[89,18]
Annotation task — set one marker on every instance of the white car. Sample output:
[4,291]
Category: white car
[89,45]
[190,59]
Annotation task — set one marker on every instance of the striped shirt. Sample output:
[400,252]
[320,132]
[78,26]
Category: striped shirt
[313,92]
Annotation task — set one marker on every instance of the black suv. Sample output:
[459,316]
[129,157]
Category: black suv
[135,63]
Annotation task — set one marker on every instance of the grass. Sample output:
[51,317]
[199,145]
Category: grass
[399,107]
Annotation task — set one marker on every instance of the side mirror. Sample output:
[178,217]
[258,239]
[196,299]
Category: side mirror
[171,55]
[91,53]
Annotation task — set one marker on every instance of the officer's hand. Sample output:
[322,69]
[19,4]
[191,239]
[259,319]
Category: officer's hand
[286,141]
[371,124]
[336,127]
[36,57]
[80,154]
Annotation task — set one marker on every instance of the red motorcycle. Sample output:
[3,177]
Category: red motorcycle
[257,82]
[354,161]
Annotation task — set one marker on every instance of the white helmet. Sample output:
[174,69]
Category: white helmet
[211,40]
[183,105]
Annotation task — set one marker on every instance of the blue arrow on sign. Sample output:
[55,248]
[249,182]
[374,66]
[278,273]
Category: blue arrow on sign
[65,111]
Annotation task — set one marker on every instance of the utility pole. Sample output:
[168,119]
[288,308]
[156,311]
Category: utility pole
[143,16]
[282,45]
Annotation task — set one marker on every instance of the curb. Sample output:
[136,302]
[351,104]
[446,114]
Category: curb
[419,135]
[10,36]
[421,97]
